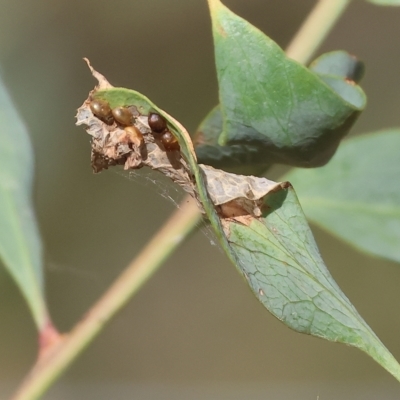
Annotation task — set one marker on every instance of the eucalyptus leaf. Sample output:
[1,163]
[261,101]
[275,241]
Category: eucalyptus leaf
[272,102]
[357,195]
[338,69]
[20,243]
[281,262]
[259,224]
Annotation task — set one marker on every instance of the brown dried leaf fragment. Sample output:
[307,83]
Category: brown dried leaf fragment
[238,194]
[103,82]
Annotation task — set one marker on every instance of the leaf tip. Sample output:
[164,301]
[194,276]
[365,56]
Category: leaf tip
[216,7]
[103,83]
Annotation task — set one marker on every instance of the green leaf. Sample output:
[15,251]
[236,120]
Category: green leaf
[338,69]
[356,196]
[259,224]
[20,243]
[272,102]
[280,260]
[385,2]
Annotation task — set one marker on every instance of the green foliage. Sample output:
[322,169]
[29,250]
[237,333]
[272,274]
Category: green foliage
[20,244]
[281,262]
[356,196]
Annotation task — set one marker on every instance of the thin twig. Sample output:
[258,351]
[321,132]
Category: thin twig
[58,358]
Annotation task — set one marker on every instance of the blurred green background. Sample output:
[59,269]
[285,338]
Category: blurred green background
[195,330]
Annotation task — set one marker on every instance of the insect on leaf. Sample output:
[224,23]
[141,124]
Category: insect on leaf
[259,223]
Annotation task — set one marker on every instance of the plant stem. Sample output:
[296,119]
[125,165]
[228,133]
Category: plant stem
[51,364]
[315,29]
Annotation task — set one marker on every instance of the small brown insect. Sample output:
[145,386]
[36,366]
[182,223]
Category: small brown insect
[169,141]
[123,115]
[102,110]
[156,122]
[134,135]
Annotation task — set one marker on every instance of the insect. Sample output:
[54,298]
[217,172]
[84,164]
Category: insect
[157,123]
[102,110]
[134,135]
[169,141]
[122,115]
